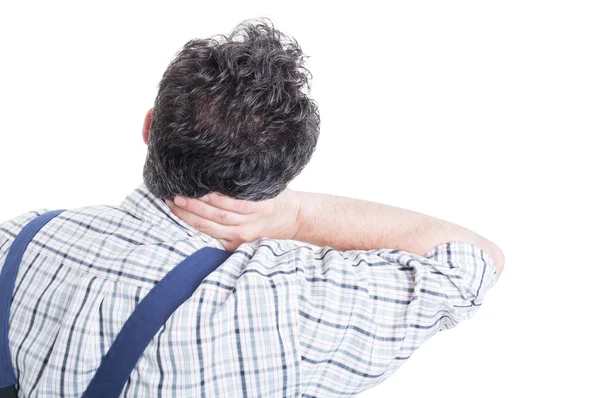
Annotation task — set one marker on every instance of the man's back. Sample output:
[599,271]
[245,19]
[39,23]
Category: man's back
[276,319]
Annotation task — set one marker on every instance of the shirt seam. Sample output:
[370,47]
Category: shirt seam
[87,271]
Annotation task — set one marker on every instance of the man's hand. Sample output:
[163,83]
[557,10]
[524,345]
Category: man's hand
[234,222]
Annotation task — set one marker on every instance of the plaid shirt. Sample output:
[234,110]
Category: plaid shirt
[277,319]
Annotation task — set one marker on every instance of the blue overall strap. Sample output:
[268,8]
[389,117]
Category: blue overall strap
[8,278]
[147,318]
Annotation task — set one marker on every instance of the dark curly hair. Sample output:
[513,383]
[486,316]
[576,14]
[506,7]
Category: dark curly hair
[232,116]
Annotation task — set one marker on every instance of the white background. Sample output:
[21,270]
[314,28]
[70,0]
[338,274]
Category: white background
[482,113]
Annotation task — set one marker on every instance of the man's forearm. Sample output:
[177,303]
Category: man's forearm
[353,224]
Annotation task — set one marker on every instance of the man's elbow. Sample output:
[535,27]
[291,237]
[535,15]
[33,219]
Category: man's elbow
[498,257]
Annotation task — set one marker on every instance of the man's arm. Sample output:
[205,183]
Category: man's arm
[353,224]
[325,220]
[378,304]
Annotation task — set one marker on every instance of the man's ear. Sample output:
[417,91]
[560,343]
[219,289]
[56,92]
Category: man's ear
[146,129]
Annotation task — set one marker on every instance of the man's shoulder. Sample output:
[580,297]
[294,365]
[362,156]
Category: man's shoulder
[9,229]
[277,246]
[267,253]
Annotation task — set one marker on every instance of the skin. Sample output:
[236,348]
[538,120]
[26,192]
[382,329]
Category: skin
[323,220]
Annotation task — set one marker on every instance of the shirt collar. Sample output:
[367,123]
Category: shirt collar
[145,205]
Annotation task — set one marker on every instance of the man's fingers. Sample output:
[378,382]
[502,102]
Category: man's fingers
[217,231]
[209,212]
[234,205]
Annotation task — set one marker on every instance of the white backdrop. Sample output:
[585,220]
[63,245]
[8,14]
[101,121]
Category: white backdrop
[482,113]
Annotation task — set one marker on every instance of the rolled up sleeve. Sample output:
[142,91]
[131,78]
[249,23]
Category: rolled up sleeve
[462,274]
[363,313]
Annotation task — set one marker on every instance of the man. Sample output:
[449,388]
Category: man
[231,126]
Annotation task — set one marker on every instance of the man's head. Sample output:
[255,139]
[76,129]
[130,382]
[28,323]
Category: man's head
[232,115]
